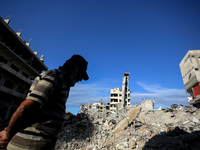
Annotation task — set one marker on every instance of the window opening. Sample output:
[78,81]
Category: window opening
[3,60]
[9,84]
[15,67]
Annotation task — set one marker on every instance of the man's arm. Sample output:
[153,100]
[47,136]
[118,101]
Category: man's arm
[20,119]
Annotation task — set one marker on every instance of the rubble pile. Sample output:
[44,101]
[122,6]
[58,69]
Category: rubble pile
[137,127]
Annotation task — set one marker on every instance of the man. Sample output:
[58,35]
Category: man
[41,114]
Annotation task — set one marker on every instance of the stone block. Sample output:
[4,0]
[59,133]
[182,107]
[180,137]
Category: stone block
[132,143]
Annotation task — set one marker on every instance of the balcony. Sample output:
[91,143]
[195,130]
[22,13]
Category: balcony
[12,92]
[14,73]
[7,51]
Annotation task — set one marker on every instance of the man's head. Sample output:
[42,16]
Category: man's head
[76,66]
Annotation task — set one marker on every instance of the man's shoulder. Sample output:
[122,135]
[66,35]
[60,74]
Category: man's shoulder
[52,73]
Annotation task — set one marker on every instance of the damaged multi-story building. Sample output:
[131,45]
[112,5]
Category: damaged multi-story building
[118,98]
[19,65]
[190,70]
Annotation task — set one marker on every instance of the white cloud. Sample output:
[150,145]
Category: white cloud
[162,96]
[84,93]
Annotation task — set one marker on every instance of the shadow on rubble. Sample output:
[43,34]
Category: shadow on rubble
[176,139]
[77,127]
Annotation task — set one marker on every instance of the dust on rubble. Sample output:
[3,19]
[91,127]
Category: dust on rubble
[136,127]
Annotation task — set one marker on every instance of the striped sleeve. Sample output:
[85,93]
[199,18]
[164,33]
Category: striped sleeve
[42,86]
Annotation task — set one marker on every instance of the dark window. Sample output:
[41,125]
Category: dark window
[0,79]
[2,59]
[20,89]
[24,74]
[114,95]
[9,84]
[14,67]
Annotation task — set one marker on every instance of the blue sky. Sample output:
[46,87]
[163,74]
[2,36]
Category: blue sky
[147,38]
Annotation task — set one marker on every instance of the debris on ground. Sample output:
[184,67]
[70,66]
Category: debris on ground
[136,127]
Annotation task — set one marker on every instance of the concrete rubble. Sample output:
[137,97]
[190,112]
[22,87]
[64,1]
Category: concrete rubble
[135,127]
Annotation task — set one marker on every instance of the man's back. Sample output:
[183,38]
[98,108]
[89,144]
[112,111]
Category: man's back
[37,121]
[49,90]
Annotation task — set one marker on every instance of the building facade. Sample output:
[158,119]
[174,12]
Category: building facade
[19,65]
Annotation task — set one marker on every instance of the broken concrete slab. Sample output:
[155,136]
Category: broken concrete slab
[131,114]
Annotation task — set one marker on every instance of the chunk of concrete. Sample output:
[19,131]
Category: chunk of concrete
[131,114]
[132,143]
[147,105]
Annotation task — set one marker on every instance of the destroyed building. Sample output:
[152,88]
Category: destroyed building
[134,127]
[190,70]
[19,65]
[118,98]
